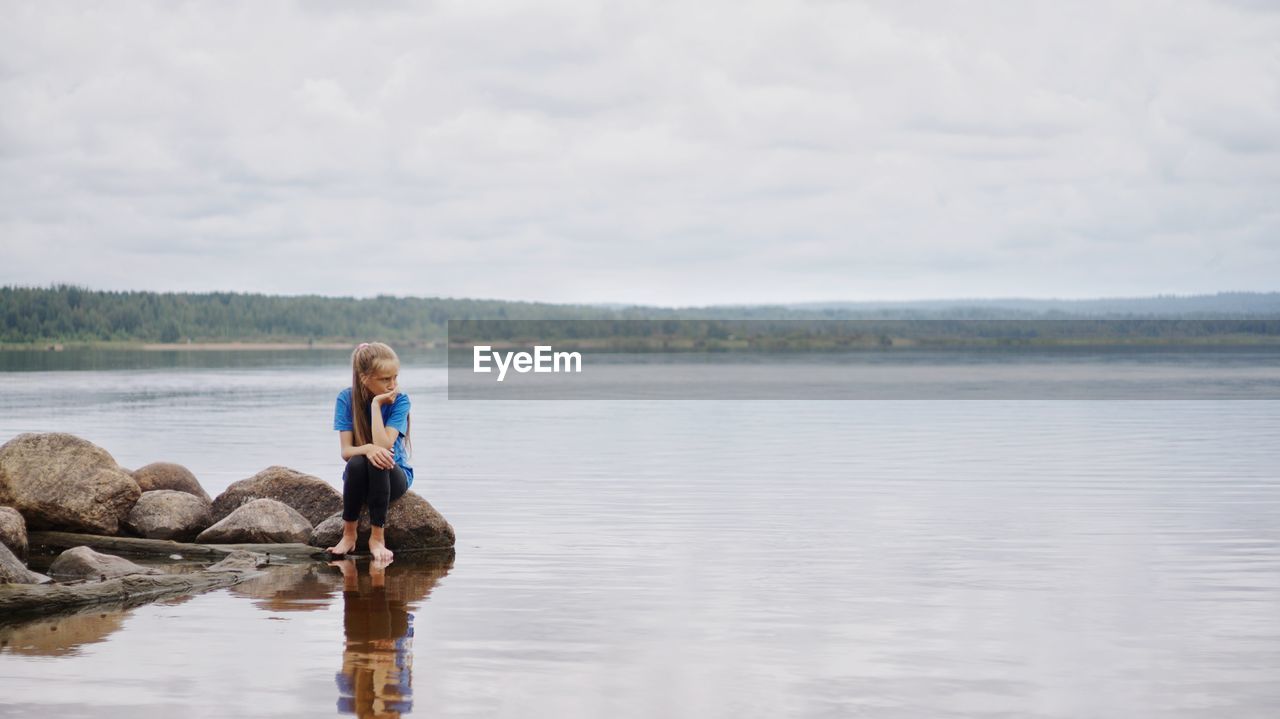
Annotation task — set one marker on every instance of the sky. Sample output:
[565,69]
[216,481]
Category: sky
[662,153]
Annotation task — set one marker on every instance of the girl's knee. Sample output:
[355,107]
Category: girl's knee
[357,466]
[399,484]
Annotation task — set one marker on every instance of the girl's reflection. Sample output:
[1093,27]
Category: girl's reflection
[376,678]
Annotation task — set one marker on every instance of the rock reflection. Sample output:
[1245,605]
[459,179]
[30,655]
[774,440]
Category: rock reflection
[290,588]
[59,636]
[376,679]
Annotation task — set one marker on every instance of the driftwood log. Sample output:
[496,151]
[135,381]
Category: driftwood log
[165,547]
[19,602]
[26,601]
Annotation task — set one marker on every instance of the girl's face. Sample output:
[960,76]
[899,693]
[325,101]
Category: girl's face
[382,380]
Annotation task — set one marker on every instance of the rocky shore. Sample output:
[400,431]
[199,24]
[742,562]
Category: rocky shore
[61,492]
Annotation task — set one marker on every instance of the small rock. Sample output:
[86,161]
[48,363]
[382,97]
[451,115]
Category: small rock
[239,561]
[13,571]
[169,514]
[167,475]
[259,521]
[83,563]
[13,531]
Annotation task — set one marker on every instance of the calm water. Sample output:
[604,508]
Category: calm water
[697,558]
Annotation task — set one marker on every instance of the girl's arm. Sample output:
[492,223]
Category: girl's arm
[383,436]
[380,457]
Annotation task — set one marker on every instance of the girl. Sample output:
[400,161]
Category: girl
[372,420]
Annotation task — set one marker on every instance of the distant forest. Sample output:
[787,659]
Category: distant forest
[69,314]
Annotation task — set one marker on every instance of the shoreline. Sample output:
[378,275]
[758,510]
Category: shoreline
[231,346]
[683,345]
[240,346]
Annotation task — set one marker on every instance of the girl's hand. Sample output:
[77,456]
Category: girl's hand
[387,398]
[380,457]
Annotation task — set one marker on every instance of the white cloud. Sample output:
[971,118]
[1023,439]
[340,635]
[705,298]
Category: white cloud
[661,153]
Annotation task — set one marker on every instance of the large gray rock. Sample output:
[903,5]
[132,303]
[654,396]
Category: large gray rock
[84,563]
[170,514]
[259,521]
[167,475]
[59,481]
[13,531]
[311,496]
[412,523]
[13,571]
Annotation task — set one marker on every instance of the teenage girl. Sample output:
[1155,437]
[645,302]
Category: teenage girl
[372,420]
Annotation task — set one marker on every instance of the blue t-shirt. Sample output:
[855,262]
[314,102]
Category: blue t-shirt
[394,415]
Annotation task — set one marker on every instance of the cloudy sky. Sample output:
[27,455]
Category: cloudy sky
[715,151]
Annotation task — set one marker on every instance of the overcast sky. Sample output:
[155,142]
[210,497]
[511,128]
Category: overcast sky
[661,153]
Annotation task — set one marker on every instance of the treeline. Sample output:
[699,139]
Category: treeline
[71,314]
[74,314]
[820,334]
[1222,304]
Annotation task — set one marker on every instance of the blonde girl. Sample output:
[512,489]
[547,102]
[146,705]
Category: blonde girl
[372,420]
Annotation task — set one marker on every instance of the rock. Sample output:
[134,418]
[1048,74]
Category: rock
[239,561]
[412,523]
[13,531]
[259,521]
[170,514]
[329,532]
[84,563]
[59,481]
[167,475]
[311,496]
[13,571]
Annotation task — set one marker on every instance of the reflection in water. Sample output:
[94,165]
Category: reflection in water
[62,635]
[376,679]
[65,634]
[289,588]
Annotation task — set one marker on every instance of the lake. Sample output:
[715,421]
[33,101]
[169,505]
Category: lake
[700,558]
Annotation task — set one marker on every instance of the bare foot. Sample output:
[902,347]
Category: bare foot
[350,530]
[341,548]
[380,552]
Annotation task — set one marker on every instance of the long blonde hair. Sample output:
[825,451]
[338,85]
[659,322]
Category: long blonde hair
[367,359]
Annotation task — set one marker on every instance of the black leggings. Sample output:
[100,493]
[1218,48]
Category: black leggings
[363,483]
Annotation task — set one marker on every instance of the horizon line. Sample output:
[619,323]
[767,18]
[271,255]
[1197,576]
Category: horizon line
[624,305]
